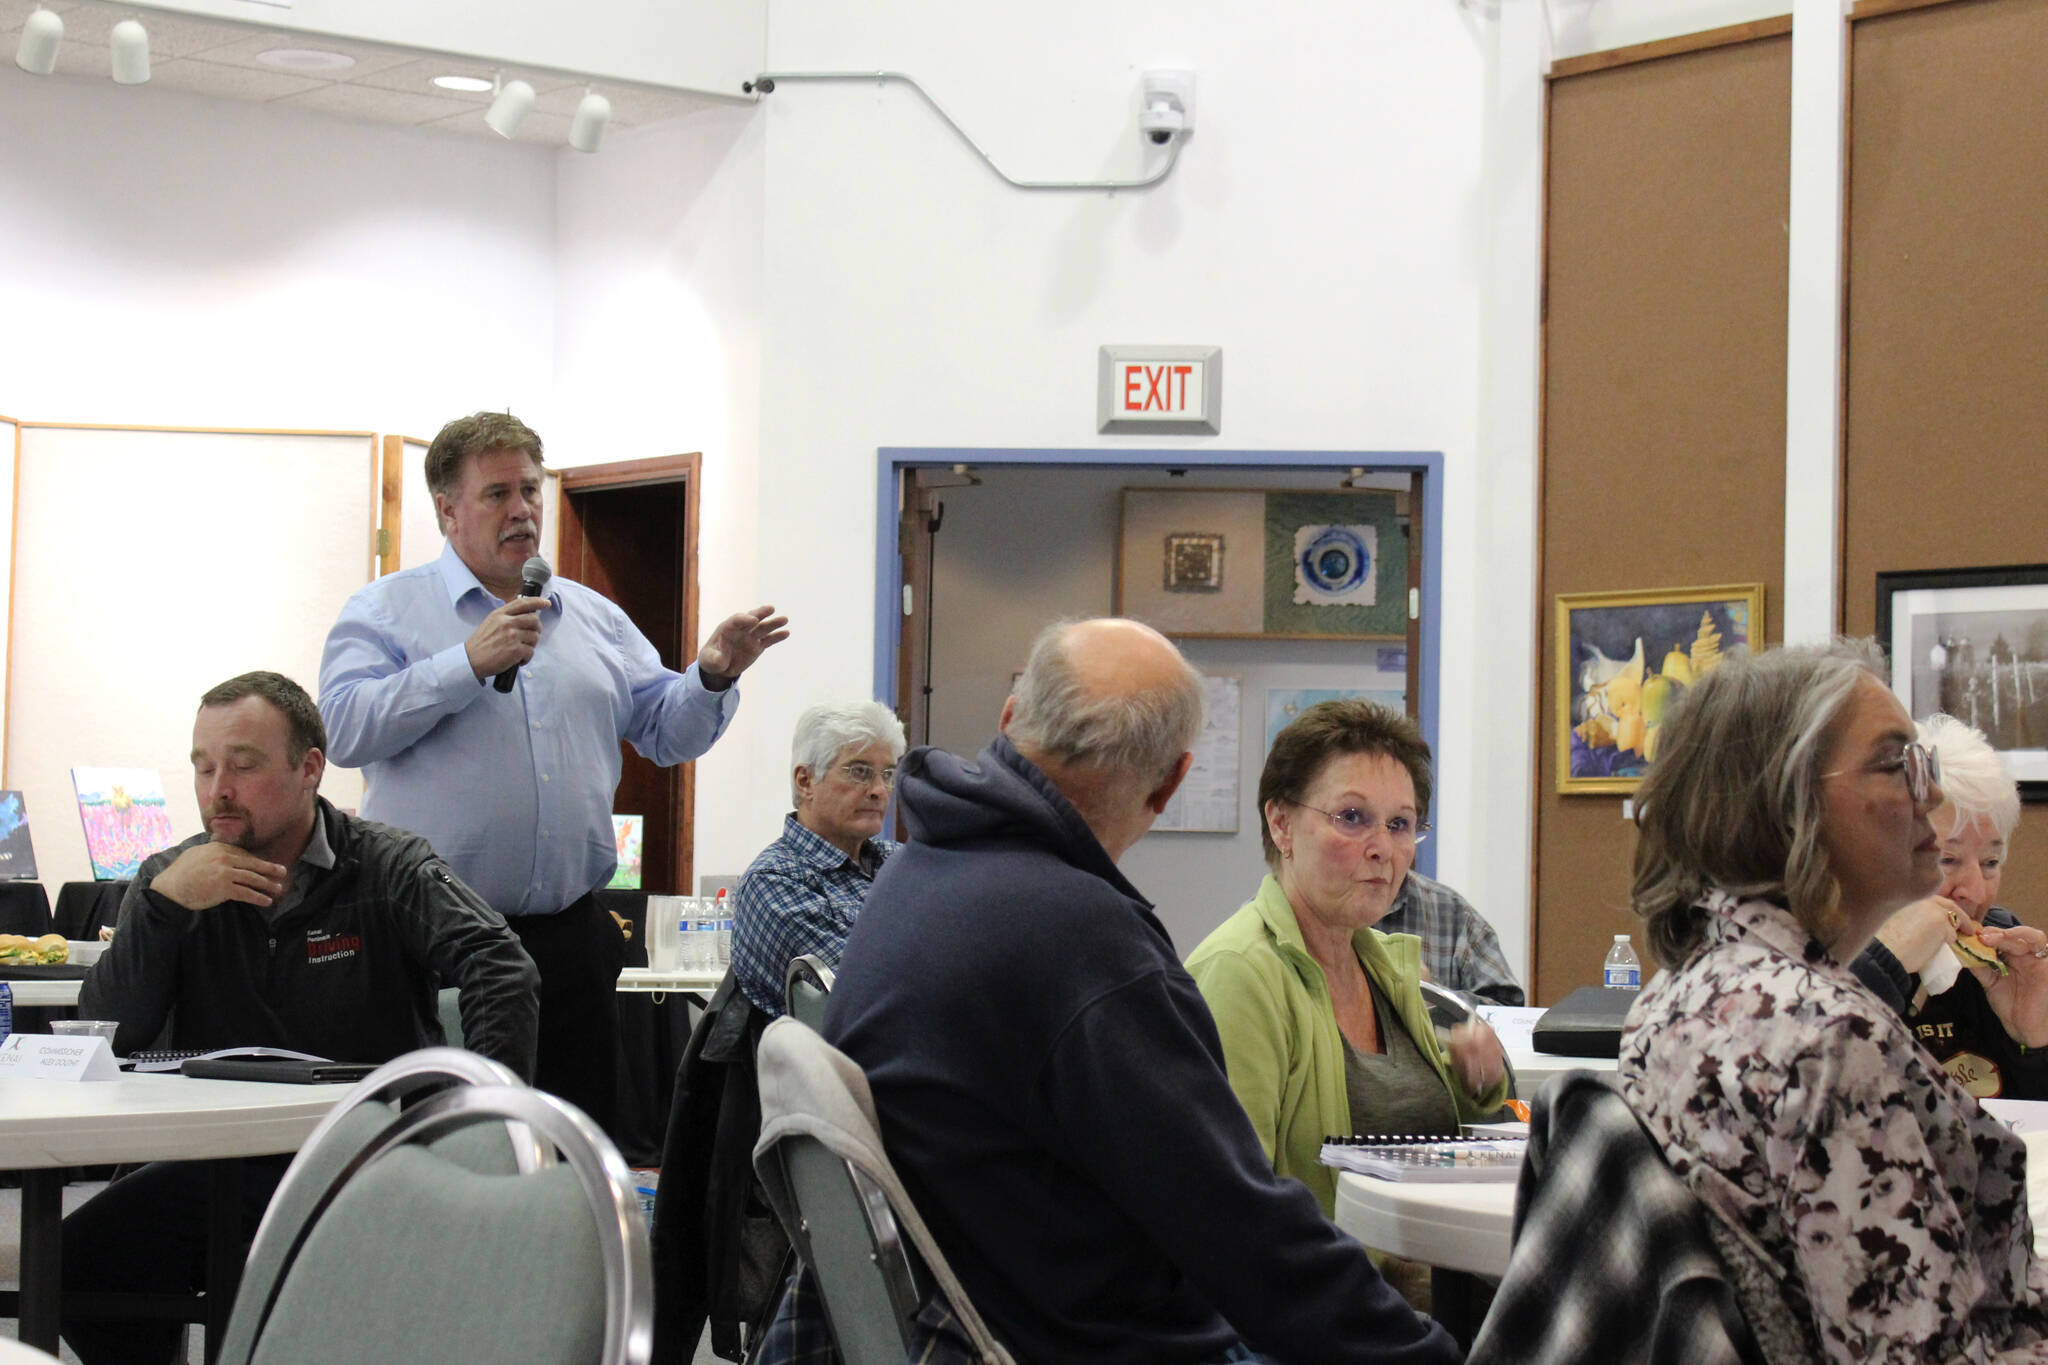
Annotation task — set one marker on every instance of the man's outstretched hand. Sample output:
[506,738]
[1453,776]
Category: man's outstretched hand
[739,640]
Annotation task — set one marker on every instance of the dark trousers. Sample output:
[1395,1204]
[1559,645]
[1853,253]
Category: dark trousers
[579,953]
[146,1233]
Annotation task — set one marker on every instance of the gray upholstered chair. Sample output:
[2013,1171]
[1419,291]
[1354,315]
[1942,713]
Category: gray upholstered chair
[403,1249]
[806,984]
[820,1158]
[349,1127]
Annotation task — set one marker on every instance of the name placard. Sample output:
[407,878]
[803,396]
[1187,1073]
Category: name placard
[47,1057]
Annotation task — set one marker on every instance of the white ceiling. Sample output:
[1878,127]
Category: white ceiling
[386,85]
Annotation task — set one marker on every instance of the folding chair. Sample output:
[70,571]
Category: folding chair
[820,1157]
[393,1246]
[805,986]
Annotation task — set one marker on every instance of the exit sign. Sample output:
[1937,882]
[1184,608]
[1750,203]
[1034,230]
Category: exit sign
[1171,390]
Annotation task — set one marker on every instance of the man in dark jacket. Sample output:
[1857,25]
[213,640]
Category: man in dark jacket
[1048,1080]
[286,924]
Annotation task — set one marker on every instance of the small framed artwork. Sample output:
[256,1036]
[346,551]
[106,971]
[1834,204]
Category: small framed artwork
[1974,643]
[1265,564]
[1623,658]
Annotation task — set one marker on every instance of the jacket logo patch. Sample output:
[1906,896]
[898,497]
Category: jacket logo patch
[326,947]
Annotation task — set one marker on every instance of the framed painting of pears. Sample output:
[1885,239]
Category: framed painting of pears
[1623,658]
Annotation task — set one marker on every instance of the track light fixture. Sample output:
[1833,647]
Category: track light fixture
[40,34]
[513,103]
[130,44]
[593,113]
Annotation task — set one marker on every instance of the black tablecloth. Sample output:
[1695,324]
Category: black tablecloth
[24,909]
[84,908]
[651,1041]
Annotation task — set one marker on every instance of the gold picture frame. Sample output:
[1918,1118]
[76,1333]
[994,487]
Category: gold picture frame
[1621,660]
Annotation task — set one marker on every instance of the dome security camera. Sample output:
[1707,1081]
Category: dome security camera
[1167,110]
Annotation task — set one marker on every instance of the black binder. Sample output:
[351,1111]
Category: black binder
[1586,1023]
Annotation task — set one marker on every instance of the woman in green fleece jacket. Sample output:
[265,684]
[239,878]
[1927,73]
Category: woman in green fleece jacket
[1323,1024]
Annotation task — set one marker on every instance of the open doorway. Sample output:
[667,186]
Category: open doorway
[980,548]
[629,531]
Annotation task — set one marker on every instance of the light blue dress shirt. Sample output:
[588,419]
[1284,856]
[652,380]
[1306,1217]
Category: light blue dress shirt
[513,789]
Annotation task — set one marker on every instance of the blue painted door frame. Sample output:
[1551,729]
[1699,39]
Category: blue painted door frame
[893,460]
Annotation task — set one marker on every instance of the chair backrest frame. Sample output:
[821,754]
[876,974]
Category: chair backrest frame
[806,984]
[581,1144]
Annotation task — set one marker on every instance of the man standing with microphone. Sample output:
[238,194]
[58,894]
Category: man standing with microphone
[513,784]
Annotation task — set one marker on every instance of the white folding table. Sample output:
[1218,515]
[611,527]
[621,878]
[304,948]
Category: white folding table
[47,1126]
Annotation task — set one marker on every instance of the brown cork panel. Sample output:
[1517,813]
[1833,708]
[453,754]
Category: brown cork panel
[1664,398]
[1947,369]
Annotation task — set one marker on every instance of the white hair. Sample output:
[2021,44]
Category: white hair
[1139,734]
[825,732]
[1974,779]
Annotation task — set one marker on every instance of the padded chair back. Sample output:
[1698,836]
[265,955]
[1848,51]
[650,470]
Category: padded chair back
[821,1161]
[459,1224]
[805,986]
[411,1256]
[347,1130]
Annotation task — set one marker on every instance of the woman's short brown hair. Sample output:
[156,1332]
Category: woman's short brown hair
[1734,801]
[1330,729]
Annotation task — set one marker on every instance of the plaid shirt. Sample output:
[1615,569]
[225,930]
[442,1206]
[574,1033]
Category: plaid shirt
[1458,947]
[801,895]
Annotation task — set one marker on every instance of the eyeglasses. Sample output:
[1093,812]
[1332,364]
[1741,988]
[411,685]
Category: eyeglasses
[865,774]
[1353,823]
[1921,765]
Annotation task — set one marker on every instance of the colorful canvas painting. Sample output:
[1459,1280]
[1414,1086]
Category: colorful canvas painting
[17,854]
[125,818]
[628,833]
[1623,660]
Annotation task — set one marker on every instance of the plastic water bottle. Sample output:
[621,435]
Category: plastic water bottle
[6,1009]
[722,912]
[695,946]
[1622,970]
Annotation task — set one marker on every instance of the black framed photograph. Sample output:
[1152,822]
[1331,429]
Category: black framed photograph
[1974,643]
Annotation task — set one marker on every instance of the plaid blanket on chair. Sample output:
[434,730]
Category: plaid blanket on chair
[1612,1258]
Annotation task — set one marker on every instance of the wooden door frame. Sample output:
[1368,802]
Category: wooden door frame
[611,477]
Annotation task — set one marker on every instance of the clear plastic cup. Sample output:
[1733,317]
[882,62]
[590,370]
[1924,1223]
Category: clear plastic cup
[86,1028]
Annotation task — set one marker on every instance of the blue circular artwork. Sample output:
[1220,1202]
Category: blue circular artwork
[1336,561]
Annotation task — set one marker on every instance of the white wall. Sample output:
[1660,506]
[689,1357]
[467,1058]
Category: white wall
[1332,226]
[175,261]
[658,353]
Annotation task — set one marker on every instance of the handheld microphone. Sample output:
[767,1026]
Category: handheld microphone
[535,576]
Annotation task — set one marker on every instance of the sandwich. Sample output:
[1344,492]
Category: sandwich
[1974,952]
[20,951]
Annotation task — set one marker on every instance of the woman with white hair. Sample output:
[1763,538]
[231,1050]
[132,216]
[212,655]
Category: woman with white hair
[804,891]
[1987,1025]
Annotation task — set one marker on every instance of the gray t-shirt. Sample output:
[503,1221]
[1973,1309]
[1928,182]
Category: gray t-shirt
[1396,1091]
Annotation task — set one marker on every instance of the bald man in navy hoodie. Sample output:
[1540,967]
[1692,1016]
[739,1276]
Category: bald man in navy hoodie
[1048,1080]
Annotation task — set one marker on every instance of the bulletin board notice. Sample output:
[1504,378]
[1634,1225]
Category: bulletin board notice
[1207,801]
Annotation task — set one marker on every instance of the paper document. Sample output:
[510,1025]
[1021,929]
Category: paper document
[1514,1023]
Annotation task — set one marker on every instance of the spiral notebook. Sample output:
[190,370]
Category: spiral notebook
[1416,1158]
